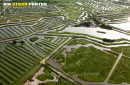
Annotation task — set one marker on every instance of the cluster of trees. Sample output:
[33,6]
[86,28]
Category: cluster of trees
[106,26]
[93,17]
[108,40]
[84,24]
[15,42]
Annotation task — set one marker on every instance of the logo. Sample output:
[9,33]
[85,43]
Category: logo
[23,4]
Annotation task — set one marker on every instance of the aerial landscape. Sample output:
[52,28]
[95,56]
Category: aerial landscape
[64,42]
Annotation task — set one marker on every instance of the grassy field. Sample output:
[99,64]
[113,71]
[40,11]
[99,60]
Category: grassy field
[125,50]
[89,63]
[47,75]
[33,39]
[78,41]
[16,59]
[121,72]
[28,75]
[3,21]
[61,81]
[15,62]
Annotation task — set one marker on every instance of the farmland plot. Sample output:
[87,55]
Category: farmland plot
[19,58]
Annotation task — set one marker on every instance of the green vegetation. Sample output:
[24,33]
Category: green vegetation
[61,81]
[60,58]
[28,75]
[78,41]
[121,72]
[112,52]
[33,39]
[3,21]
[121,39]
[49,38]
[125,50]
[13,31]
[45,75]
[51,23]
[17,61]
[83,35]
[89,63]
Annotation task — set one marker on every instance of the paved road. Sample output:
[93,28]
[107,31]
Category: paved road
[119,57]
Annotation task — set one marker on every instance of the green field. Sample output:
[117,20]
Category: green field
[17,59]
[121,72]
[28,75]
[23,44]
[89,63]
[78,41]
[47,75]
[125,50]
[15,64]
[61,81]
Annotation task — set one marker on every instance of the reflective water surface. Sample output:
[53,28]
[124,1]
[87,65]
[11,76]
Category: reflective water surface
[110,34]
[124,26]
